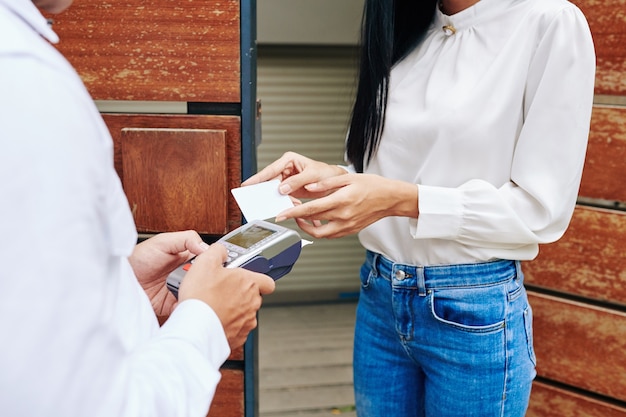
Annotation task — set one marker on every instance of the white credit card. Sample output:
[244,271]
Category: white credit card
[261,201]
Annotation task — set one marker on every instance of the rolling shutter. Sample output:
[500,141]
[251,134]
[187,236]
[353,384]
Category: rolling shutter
[306,95]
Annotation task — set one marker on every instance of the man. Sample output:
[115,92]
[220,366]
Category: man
[78,298]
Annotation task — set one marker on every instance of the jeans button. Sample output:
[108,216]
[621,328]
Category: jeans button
[400,275]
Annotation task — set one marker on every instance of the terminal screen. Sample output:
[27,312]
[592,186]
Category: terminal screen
[250,236]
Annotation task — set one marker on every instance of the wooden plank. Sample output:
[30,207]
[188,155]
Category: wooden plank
[154,49]
[607,21]
[589,260]
[605,165]
[229,398]
[580,345]
[230,124]
[175,179]
[549,401]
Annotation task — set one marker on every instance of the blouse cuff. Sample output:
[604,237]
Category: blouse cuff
[348,168]
[440,213]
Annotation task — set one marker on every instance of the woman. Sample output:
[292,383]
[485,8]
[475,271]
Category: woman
[466,147]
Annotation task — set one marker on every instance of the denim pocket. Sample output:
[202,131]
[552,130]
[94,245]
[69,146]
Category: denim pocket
[471,309]
[528,326]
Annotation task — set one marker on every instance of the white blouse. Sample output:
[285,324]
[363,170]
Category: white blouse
[79,335]
[491,121]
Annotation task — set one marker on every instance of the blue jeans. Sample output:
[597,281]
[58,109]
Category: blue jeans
[442,341]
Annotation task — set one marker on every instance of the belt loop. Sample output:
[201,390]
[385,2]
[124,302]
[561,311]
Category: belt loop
[375,262]
[518,271]
[420,271]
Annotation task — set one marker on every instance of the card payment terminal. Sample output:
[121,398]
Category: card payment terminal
[258,246]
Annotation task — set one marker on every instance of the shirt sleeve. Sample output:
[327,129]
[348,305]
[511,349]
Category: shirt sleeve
[536,205]
[82,336]
[177,371]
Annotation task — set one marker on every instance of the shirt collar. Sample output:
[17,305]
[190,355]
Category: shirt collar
[29,13]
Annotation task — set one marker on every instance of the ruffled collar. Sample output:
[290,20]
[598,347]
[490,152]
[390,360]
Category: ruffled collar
[469,17]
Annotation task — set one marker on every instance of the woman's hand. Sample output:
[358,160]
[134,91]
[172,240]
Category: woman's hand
[155,258]
[351,203]
[295,171]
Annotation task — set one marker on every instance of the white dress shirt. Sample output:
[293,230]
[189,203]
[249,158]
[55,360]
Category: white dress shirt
[491,123]
[79,335]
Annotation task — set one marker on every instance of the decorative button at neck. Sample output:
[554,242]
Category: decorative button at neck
[449,30]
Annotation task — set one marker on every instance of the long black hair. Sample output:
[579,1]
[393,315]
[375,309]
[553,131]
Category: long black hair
[390,29]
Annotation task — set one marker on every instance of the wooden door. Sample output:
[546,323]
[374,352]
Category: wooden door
[578,285]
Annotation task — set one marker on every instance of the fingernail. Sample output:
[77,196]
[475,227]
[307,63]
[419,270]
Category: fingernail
[279,218]
[311,187]
[204,246]
[284,189]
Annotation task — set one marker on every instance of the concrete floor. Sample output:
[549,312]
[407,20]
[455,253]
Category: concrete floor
[305,360]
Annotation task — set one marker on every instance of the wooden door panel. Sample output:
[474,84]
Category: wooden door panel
[605,165]
[550,401]
[580,345]
[230,125]
[175,179]
[590,259]
[157,50]
[608,22]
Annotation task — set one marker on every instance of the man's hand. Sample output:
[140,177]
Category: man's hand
[154,259]
[233,293]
